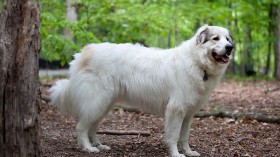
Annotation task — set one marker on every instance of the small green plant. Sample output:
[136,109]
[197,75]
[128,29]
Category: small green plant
[217,108]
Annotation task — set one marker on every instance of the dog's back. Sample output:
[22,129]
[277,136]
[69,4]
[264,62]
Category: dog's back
[134,74]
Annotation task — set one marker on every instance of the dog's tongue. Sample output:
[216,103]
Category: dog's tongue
[225,58]
[221,58]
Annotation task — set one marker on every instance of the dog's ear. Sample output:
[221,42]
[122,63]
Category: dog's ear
[202,35]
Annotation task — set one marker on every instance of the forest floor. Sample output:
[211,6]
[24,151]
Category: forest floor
[211,137]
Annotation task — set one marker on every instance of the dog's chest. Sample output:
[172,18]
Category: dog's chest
[209,86]
[210,81]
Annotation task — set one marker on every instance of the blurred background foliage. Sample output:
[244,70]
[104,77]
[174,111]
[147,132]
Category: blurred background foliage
[164,24]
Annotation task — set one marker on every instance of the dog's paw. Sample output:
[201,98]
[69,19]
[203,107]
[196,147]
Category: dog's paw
[192,153]
[91,149]
[103,147]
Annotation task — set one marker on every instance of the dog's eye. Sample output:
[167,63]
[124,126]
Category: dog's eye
[227,39]
[216,38]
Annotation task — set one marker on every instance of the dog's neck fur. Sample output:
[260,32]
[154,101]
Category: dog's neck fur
[209,73]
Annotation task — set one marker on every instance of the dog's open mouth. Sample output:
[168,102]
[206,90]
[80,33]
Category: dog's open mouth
[221,58]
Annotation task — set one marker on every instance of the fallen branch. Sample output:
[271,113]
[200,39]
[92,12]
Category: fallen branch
[132,132]
[238,115]
[258,117]
[272,89]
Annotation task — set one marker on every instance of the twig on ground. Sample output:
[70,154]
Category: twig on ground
[132,132]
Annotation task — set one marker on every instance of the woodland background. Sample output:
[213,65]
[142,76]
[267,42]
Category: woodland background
[67,25]
[244,114]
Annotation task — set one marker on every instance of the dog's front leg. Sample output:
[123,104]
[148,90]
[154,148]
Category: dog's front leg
[173,122]
[184,136]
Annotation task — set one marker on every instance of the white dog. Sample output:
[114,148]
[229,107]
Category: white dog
[173,83]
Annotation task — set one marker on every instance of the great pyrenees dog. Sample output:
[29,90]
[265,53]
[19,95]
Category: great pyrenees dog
[173,83]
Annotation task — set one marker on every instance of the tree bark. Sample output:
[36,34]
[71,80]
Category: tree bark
[19,83]
[277,43]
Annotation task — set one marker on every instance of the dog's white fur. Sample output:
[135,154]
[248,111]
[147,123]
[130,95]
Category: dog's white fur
[170,83]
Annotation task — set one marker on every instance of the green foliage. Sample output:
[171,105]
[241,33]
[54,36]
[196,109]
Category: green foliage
[217,108]
[2,4]
[156,23]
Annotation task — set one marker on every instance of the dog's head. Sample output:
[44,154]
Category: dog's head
[217,42]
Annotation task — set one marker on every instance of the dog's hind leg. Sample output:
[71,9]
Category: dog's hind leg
[83,139]
[173,122]
[87,128]
[184,136]
[94,106]
[94,139]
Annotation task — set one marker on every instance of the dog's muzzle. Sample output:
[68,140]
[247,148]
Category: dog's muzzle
[224,58]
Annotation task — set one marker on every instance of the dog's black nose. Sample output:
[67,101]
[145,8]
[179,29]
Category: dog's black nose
[228,49]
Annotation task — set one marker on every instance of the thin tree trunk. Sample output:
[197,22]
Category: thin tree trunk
[277,44]
[267,68]
[246,59]
[176,31]
[71,16]
[169,38]
[19,83]
[270,29]
[231,67]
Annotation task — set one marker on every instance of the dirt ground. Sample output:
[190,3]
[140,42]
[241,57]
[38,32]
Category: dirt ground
[211,137]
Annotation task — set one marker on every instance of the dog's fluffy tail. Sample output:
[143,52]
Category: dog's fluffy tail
[59,95]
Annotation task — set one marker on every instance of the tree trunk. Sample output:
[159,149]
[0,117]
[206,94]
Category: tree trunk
[231,69]
[246,58]
[270,33]
[277,44]
[19,83]
[71,16]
